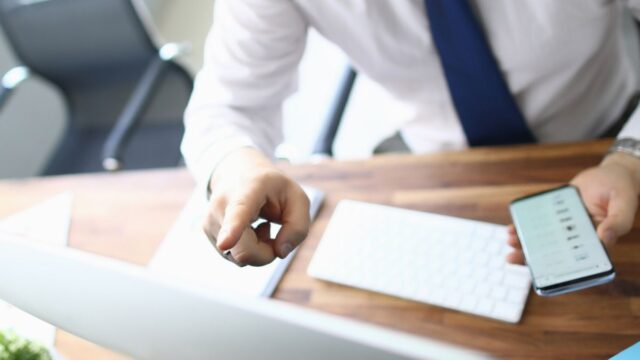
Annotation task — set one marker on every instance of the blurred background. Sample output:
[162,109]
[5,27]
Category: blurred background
[32,121]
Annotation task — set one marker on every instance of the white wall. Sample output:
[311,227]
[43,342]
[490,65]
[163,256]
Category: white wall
[184,22]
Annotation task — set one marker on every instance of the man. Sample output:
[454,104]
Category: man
[481,72]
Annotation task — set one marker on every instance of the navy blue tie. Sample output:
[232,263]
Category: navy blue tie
[483,101]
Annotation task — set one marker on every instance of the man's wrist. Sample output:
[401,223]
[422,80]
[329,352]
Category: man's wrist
[216,166]
[237,162]
[629,162]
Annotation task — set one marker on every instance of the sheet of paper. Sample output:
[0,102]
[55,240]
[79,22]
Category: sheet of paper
[187,256]
[47,222]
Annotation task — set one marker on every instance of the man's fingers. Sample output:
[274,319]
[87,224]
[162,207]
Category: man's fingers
[263,231]
[295,223]
[621,212]
[238,216]
[252,250]
[515,257]
[513,239]
[514,243]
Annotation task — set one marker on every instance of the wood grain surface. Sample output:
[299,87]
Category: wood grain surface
[126,216]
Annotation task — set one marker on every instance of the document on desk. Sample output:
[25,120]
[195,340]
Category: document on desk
[47,222]
[187,256]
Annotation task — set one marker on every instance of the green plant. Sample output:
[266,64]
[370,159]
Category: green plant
[13,347]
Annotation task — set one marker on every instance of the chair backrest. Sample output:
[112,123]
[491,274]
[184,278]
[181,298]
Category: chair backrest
[69,41]
[95,51]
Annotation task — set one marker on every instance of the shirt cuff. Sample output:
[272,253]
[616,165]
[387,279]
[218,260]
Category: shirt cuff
[632,127]
[212,157]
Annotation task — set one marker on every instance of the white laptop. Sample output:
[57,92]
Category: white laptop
[131,310]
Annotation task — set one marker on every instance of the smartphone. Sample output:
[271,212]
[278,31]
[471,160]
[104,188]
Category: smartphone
[560,242]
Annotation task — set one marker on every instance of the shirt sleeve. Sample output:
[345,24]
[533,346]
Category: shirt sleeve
[632,127]
[251,58]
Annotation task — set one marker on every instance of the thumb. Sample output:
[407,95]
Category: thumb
[621,211]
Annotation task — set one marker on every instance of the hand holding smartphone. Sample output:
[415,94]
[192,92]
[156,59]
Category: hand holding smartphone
[559,241]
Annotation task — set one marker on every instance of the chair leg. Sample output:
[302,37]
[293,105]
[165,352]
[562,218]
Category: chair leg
[131,115]
[324,145]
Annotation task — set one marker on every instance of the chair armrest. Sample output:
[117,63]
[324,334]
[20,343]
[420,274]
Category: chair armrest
[130,117]
[4,95]
[324,144]
[10,80]
[171,51]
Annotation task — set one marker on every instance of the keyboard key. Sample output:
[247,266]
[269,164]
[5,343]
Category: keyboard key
[495,277]
[483,232]
[507,311]
[468,304]
[465,271]
[517,281]
[493,247]
[437,297]
[481,259]
[484,306]
[467,286]
[450,268]
[496,261]
[482,290]
[453,299]
[437,280]
[478,244]
[518,270]
[466,257]
[517,295]
[480,273]
[498,292]
[422,294]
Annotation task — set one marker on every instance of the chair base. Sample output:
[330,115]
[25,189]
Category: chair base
[152,146]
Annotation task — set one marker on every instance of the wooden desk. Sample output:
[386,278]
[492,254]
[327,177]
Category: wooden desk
[126,215]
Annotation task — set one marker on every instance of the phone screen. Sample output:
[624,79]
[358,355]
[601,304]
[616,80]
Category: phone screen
[558,238]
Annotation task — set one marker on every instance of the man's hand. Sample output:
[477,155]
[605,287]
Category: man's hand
[610,192]
[246,186]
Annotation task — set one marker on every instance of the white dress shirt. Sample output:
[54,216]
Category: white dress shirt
[572,66]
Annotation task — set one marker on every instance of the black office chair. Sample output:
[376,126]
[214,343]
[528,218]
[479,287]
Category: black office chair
[125,98]
[331,125]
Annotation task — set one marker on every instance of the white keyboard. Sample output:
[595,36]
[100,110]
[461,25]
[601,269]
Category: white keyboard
[439,260]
